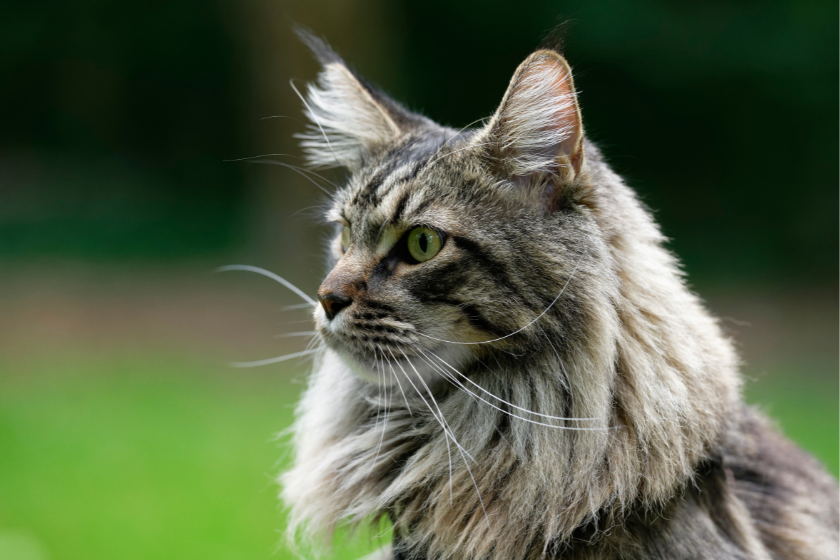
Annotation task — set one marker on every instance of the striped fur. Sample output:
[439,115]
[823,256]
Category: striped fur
[546,386]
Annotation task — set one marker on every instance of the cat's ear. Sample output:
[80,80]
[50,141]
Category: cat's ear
[348,118]
[537,131]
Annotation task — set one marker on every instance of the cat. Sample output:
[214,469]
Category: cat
[511,365]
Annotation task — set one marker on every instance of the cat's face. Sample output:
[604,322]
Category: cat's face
[445,243]
[411,263]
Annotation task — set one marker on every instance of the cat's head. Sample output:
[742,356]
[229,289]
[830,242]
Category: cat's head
[449,243]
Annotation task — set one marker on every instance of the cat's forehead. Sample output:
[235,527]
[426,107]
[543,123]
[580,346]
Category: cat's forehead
[404,185]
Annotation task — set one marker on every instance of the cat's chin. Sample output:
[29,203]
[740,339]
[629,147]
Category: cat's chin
[363,370]
[412,373]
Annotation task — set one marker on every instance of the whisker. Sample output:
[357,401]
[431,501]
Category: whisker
[301,333]
[397,378]
[283,117]
[312,172]
[297,306]
[538,317]
[466,464]
[301,170]
[482,389]
[571,428]
[312,342]
[378,386]
[389,390]
[461,450]
[266,273]
[442,423]
[447,431]
[294,168]
[385,421]
[448,449]
[274,360]
[255,157]
[313,116]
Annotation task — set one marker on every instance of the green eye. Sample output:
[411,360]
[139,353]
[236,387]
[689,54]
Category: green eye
[424,243]
[345,238]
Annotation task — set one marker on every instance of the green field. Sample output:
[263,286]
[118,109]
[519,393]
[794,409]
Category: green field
[132,456]
[138,458]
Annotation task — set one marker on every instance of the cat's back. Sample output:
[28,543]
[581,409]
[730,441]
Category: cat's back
[759,497]
[791,499]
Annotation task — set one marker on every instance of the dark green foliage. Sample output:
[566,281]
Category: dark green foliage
[117,118]
[722,115]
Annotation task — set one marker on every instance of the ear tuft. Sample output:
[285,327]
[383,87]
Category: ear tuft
[537,130]
[349,119]
[346,122]
[321,50]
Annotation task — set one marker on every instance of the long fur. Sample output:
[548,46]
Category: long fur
[538,118]
[345,120]
[460,443]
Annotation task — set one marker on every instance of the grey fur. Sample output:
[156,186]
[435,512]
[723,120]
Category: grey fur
[608,425]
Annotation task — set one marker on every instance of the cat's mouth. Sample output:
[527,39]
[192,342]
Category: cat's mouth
[383,346]
[388,358]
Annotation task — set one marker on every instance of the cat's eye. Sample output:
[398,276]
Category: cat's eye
[345,238]
[424,243]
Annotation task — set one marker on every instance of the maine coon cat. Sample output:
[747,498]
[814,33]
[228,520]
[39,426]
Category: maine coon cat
[512,366]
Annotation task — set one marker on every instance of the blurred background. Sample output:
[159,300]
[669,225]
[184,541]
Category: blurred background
[123,431]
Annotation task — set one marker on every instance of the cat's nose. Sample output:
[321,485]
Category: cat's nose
[333,303]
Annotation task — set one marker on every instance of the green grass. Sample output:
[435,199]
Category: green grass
[142,458]
[804,408]
[137,457]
